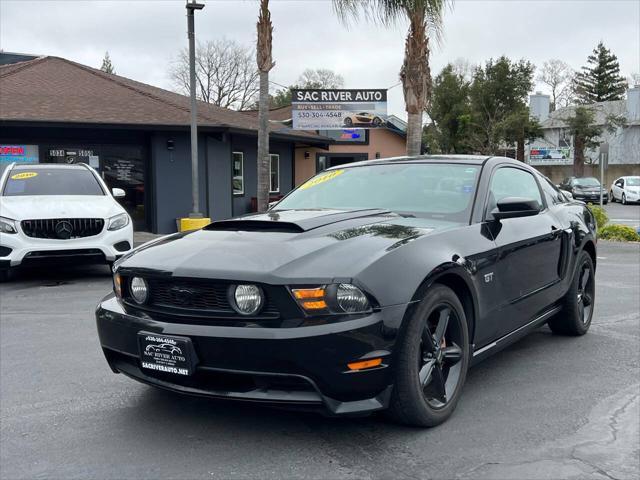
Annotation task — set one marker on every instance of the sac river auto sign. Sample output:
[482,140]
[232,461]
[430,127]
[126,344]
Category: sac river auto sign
[338,109]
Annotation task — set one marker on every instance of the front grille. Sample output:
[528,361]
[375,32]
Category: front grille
[62,228]
[195,295]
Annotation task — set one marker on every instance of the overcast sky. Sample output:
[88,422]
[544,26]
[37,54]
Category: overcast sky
[143,37]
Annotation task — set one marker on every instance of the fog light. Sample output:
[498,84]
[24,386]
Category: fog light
[139,290]
[363,364]
[248,299]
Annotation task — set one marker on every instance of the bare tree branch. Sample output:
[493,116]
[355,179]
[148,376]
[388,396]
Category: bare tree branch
[225,74]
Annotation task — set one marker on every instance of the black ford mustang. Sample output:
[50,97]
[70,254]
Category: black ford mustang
[371,286]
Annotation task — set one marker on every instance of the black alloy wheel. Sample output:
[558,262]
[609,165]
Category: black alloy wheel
[586,293]
[441,355]
[579,301]
[431,360]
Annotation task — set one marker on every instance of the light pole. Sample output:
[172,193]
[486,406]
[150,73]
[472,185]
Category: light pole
[195,201]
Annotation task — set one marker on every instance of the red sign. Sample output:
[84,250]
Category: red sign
[17,150]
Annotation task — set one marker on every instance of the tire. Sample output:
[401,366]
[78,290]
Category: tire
[419,402]
[348,122]
[377,122]
[611,197]
[624,199]
[578,303]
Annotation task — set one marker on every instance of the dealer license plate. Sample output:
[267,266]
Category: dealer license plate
[166,354]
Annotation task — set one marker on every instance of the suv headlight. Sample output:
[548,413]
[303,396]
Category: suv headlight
[7,225]
[118,221]
[334,298]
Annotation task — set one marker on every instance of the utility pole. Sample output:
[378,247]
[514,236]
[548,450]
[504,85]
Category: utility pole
[195,202]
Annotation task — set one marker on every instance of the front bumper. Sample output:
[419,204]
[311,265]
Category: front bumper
[303,367]
[590,197]
[94,249]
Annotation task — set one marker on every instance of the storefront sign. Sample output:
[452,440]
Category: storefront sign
[338,109]
[18,153]
[550,155]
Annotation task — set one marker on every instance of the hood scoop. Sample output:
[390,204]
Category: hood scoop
[254,226]
[291,221]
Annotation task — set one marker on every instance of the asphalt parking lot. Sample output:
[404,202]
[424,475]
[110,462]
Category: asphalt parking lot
[623,214]
[547,407]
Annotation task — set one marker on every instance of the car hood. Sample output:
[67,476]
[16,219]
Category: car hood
[285,246]
[59,206]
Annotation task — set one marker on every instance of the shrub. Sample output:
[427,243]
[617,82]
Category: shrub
[620,233]
[600,215]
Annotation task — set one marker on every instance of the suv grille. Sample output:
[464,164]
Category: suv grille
[62,228]
[195,296]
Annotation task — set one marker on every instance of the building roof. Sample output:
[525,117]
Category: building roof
[57,90]
[602,110]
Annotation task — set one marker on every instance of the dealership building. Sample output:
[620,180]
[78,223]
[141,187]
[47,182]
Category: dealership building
[53,110]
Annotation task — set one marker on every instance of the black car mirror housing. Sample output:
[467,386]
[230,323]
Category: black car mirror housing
[513,207]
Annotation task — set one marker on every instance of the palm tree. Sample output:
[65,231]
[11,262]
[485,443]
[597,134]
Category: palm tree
[265,64]
[425,18]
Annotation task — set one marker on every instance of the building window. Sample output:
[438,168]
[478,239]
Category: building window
[237,169]
[564,138]
[274,173]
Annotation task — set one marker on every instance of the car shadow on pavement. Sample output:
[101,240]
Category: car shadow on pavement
[54,276]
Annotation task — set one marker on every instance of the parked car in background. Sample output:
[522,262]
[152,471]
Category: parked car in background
[586,189]
[59,214]
[625,190]
[373,285]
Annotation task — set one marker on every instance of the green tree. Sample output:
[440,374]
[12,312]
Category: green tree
[586,134]
[107,66]
[265,62]
[425,19]
[450,111]
[600,79]
[498,89]
[517,128]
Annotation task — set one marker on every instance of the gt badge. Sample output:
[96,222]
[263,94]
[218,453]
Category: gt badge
[488,277]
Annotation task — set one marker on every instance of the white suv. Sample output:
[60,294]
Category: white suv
[54,212]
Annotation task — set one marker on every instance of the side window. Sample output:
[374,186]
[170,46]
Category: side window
[621,183]
[551,192]
[512,182]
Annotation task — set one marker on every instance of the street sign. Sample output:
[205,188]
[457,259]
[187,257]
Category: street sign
[338,109]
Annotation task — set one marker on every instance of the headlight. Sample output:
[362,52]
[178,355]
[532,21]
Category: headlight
[117,284]
[246,299]
[139,290]
[340,298]
[118,221]
[7,225]
[351,299]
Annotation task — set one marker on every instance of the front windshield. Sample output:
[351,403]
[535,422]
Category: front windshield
[51,181]
[443,191]
[587,182]
[633,181]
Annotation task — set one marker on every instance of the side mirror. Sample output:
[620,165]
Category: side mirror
[118,192]
[513,207]
[567,194]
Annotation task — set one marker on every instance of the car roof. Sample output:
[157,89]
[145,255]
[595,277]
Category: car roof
[464,159]
[38,166]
